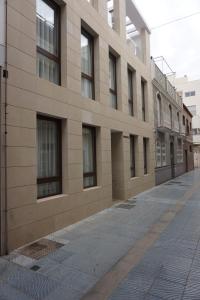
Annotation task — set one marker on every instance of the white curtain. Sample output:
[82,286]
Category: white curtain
[47,155]
[88,155]
[47,69]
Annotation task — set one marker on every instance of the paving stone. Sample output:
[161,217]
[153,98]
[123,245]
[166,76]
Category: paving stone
[9,293]
[166,289]
[192,291]
[73,279]
[31,284]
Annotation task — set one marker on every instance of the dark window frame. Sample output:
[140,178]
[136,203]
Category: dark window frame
[143,95]
[114,92]
[184,120]
[44,52]
[59,158]
[86,76]
[130,86]
[145,145]
[94,173]
[132,156]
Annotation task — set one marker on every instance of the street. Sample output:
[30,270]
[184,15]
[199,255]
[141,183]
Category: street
[147,248]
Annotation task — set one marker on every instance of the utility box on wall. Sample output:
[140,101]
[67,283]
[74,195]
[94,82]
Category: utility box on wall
[2,32]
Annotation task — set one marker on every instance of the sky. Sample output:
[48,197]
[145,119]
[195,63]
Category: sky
[178,42]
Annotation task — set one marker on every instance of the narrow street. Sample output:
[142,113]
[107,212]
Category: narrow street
[147,248]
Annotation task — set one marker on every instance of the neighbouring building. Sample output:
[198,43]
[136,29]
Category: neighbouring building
[188,156]
[189,90]
[78,110]
[172,141]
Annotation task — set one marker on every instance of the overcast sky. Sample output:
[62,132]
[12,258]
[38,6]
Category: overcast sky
[178,42]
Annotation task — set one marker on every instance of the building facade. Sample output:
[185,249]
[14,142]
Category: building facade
[187,132]
[169,131]
[78,113]
[190,92]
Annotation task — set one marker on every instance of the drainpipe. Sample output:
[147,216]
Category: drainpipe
[3,145]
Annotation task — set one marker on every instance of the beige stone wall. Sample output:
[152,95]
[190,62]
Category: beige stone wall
[29,218]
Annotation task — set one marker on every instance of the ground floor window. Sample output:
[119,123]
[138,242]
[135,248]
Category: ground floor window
[89,157]
[145,149]
[132,155]
[161,151]
[49,157]
[179,153]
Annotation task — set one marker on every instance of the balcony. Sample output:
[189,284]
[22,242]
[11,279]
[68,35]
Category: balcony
[136,29]
[162,80]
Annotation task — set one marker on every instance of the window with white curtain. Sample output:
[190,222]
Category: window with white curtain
[49,157]
[113,80]
[87,65]
[48,43]
[160,151]
[89,157]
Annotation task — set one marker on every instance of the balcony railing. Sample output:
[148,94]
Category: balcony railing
[161,78]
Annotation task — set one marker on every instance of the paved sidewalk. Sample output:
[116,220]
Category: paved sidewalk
[151,246]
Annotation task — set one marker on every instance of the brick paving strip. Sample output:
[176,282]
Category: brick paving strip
[109,282]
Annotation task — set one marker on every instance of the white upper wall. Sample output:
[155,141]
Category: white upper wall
[184,86]
[2,32]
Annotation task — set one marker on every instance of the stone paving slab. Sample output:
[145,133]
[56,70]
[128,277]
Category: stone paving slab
[167,269]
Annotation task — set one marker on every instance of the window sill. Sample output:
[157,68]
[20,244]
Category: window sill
[51,198]
[92,188]
[134,178]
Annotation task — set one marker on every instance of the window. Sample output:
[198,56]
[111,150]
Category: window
[145,146]
[179,151]
[170,116]
[184,120]
[49,157]
[192,109]
[190,94]
[110,10]
[187,128]
[160,150]
[190,148]
[113,80]
[87,65]
[143,88]
[159,116]
[48,41]
[132,155]
[89,157]
[130,92]
[190,126]
[178,121]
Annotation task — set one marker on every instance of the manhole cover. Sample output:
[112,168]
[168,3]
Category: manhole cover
[40,248]
[125,206]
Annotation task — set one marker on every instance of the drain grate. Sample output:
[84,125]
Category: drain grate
[125,206]
[35,268]
[40,248]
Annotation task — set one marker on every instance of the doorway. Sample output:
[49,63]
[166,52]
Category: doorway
[117,165]
[186,161]
[172,159]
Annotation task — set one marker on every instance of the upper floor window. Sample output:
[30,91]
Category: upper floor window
[87,65]
[184,120]
[190,94]
[178,120]
[110,11]
[49,156]
[48,41]
[130,92]
[113,80]
[143,94]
